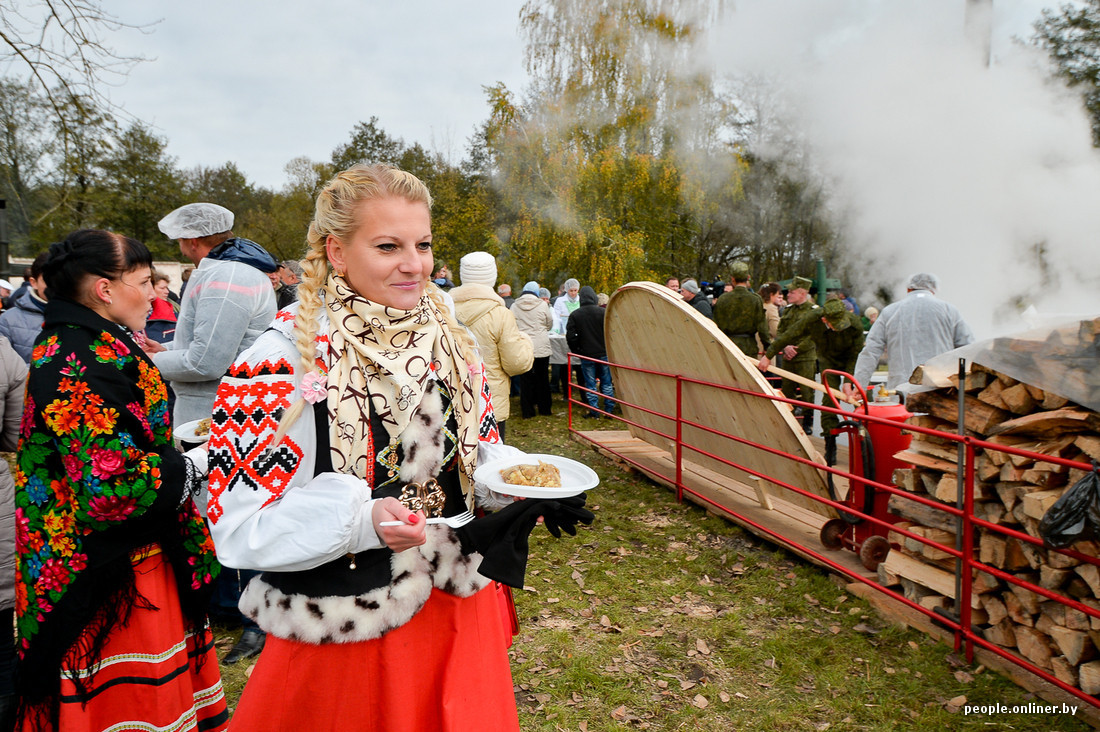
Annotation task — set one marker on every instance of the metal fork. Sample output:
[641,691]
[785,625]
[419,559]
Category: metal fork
[453,521]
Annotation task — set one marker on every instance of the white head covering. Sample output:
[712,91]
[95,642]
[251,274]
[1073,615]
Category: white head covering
[478,268]
[924,281]
[196,220]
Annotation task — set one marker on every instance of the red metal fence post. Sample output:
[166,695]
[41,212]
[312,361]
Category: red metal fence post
[679,440]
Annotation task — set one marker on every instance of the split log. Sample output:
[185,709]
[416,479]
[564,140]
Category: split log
[984,582]
[908,479]
[1070,419]
[1036,504]
[948,453]
[1018,399]
[1034,646]
[929,462]
[1016,610]
[939,536]
[1064,671]
[1029,600]
[1090,573]
[1004,635]
[1053,401]
[991,395]
[1089,677]
[921,514]
[1089,444]
[1076,645]
[994,608]
[1051,578]
[980,417]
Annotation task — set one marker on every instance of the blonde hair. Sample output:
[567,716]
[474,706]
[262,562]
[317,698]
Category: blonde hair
[337,215]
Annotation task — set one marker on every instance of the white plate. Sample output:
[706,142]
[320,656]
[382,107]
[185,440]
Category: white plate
[186,432]
[575,477]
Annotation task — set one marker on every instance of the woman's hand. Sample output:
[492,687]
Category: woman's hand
[411,531]
[150,346]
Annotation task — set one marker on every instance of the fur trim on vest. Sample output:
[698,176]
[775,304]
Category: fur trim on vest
[438,563]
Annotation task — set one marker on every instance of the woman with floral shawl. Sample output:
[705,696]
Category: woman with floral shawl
[113,559]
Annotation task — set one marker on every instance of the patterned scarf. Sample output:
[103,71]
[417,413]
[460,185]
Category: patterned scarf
[381,359]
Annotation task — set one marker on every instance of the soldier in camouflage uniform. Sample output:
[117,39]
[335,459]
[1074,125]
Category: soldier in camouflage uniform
[800,355]
[838,339]
[740,313]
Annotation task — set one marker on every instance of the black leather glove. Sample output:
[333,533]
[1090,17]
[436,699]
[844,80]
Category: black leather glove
[501,537]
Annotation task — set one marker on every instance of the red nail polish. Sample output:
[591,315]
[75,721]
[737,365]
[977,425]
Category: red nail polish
[413,519]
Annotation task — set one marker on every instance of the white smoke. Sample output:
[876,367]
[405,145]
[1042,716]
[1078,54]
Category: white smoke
[942,164]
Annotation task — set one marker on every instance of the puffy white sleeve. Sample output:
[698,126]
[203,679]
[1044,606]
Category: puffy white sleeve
[267,510]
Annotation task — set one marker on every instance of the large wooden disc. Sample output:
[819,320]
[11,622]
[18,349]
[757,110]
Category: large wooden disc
[650,327]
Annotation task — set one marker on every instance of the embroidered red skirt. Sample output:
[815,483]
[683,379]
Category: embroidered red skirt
[445,670]
[146,679]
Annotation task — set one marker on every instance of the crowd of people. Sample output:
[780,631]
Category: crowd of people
[775,324]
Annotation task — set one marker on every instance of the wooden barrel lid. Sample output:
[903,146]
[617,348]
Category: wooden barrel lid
[650,327]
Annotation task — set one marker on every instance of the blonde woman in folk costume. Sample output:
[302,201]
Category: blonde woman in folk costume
[366,405]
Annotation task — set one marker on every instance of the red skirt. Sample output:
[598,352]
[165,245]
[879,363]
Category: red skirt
[146,679]
[446,670]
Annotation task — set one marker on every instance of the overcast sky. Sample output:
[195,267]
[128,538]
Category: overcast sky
[259,82]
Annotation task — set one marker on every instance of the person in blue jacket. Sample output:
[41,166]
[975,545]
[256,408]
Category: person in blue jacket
[22,321]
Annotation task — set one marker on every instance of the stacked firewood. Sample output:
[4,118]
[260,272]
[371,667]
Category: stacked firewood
[1011,491]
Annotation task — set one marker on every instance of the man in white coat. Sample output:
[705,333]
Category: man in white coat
[911,331]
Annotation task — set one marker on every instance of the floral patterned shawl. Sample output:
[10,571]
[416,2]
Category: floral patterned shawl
[97,477]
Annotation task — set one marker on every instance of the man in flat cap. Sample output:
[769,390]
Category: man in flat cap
[800,356]
[229,301]
[911,331]
[740,313]
[838,338]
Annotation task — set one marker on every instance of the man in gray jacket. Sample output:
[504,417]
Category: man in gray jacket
[228,303]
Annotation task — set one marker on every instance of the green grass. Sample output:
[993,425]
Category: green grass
[661,616]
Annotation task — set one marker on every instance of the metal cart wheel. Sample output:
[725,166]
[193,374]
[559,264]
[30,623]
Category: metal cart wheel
[873,552]
[832,532]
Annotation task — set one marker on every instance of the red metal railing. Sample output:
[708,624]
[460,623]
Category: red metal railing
[966,636]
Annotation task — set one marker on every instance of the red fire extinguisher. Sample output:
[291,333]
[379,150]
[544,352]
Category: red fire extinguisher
[871,450]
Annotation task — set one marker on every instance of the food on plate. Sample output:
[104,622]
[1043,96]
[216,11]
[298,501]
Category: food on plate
[543,475]
[203,427]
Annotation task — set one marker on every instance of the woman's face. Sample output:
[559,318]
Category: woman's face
[388,259]
[161,289]
[131,296]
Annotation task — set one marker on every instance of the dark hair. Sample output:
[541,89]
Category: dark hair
[39,263]
[769,289]
[90,253]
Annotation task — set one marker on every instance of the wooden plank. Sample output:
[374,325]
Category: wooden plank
[937,580]
[797,527]
[640,317]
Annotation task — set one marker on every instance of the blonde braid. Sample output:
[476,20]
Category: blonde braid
[315,269]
